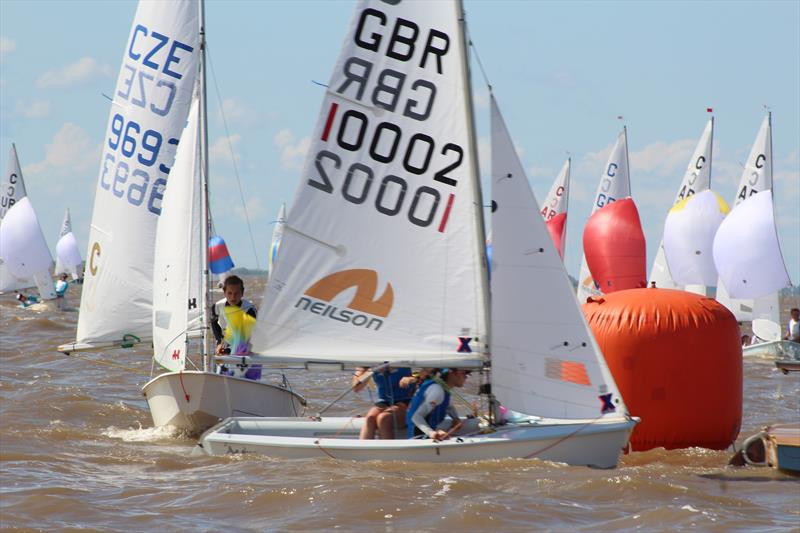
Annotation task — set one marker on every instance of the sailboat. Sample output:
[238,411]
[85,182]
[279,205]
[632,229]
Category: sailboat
[127,241]
[554,208]
[25,259]
[696,179]
[383,262]
[277,236]
[615,184]
[756,179]
[68,256]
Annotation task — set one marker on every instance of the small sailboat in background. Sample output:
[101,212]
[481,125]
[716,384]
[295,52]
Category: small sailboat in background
[614,247]
[25,258]
[554,209]
[387,266]
[615,184]
[68,256]
[696,179]
[277,236]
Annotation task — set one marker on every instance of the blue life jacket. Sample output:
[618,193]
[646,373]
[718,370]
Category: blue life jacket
[388,383]
[435,416]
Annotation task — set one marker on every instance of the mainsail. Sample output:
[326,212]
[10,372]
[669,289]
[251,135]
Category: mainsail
[382,256]
[177,242]
[12,190]
[697,178]
[24,249]
[544,358]
[615,183]
[554,209]
[151,103]
[756,178]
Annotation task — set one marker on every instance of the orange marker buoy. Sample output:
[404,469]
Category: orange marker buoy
[677,360]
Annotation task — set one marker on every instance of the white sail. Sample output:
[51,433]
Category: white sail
[12,190]
[151,102]
[689,238]
[545,360]
[177,234]
[747,252]
[614,184]
[697,178]
[68,255]
[22,243]
[382,257]
[756,177]
[554,209]
[277,236]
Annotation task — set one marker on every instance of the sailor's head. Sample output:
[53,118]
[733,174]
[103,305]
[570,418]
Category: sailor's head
[795,313]
[455,377]
[63,276]
[234,290]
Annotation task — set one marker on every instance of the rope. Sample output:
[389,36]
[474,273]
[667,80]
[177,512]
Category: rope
[128,340]
[185,394]
[562,439]
[233,157]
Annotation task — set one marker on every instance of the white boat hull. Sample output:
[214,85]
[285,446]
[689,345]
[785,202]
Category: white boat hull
[773,349]
[597,443]
[193,401]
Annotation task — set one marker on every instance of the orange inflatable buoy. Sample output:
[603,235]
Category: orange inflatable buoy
[677,360]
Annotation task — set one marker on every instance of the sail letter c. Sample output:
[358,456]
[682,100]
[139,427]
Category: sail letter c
[95,252]
[701,161]
[612,169]
[760,161]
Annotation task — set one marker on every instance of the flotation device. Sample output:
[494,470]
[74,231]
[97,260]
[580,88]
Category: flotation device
[219,260]
[677,360]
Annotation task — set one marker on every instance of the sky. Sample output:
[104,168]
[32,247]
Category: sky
[562,73]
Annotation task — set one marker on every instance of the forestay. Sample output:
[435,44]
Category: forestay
[545,360]
[151,102]
[382,257]
[177,239]
[68,256]
[11,192]
[747,252]
[614,184]
[696,179]
[756,177]
[554,209]
[689,238]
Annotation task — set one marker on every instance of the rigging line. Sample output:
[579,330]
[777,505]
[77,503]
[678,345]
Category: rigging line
[233,156]
[480,64]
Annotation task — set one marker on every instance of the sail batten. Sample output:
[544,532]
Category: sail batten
[139,150]
[380,252]
[544,358]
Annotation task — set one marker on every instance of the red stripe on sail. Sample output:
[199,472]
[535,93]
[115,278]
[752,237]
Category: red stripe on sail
[446,213]
[329,122]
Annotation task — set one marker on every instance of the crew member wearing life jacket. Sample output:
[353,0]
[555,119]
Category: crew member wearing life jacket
[793,328]
[61,286]
[232,321]
[431,403]
[394,395]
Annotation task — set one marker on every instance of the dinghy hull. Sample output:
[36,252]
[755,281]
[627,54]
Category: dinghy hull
[193,401]
[774,349]
[596,443]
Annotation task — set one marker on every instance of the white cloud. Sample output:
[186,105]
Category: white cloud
[70,151]
[220,150]
[663,158]
[255,209]
[81,71]
[7,45]
[292,153]
[34,109]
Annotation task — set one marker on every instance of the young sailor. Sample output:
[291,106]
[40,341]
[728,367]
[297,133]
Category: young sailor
[431,404]
[232,321]
[61,286]
[394,395]
[793,328]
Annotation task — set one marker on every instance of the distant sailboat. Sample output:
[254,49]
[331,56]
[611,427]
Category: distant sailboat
[68,256]
[26,259]
[615,184]
[554,209]
[277,236]
[697,178]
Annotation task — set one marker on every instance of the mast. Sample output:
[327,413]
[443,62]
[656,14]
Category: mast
[627,159]
[206,304]
[480,227]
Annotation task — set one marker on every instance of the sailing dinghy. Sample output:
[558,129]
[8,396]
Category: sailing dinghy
[68,256]
[127,240]
[696,179]
[554,209]
[383,262]
[615,184]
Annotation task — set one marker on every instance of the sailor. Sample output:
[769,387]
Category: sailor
[24,300]
[394,395]
[61,286]
[793,328]
[232,321]
[432,402]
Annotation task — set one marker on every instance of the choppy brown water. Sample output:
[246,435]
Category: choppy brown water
[77,450]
